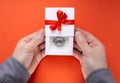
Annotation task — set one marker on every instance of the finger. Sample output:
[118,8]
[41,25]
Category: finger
[36,60]
[39,55]
[77,55]
[82,42]
[29,37]
[77,47]
[32,66]
[38,38]
[41,42]
[90,38]
[42,46]
[43,53]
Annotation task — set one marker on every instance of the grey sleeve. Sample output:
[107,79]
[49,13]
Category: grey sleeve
[12,71]
[100,76]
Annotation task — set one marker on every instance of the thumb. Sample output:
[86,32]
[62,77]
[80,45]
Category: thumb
[82,42]
[38,38]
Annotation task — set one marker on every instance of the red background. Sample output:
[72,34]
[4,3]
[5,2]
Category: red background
[19,18]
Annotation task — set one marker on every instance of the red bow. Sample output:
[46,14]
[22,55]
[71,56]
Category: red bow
[62,19]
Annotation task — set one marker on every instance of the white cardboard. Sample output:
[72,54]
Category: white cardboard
[67,31]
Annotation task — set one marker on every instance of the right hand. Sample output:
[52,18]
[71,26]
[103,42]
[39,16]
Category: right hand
[89,51]
[30,50]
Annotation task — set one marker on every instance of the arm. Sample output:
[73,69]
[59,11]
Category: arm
[100,76]
[12,71]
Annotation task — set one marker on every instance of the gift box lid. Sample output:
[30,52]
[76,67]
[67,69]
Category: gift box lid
[67,30]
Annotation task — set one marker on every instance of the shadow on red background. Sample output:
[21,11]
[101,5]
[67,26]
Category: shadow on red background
[21,17]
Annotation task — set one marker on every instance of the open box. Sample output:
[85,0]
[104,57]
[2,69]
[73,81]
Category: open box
[64,38]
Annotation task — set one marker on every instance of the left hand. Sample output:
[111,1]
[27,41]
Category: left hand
[89,51]
[30,50]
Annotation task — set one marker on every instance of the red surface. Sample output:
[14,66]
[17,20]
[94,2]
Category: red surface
[21,17]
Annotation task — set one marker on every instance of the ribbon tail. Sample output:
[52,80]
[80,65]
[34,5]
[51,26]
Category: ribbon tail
[69,22]
[59,27]
[49,22]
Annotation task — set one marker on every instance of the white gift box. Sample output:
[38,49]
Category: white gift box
[67,33]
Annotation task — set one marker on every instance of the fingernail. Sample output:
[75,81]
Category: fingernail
[77,33]
[41,31]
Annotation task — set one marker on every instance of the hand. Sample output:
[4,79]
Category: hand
[30,50]
[89,51]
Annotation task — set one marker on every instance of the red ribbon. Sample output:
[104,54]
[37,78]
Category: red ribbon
[62,19]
